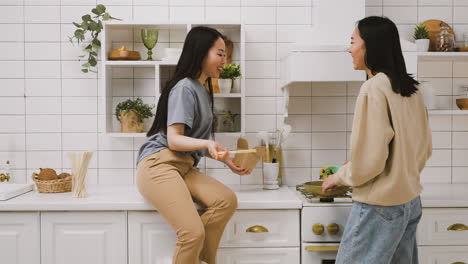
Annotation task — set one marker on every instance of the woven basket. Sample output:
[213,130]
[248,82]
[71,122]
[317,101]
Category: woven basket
[53,186]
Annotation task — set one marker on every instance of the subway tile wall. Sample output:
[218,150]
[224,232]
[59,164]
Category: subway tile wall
[49,107]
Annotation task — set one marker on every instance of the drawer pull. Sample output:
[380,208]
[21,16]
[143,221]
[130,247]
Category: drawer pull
[257,229]
[459,262]
[322,248]
[457,227]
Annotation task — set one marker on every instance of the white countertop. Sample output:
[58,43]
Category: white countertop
[445,195]
[127,197]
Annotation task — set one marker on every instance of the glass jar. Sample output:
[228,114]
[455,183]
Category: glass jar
[445,41]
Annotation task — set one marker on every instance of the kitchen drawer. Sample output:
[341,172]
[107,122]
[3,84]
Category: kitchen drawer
[438,227]
[274,228]
[443,255]
[258,256]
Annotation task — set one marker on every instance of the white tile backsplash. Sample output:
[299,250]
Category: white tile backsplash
[11,14]
[52,107]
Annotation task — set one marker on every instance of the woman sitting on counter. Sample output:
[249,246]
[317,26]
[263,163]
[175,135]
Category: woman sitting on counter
[390,144]
[167,176]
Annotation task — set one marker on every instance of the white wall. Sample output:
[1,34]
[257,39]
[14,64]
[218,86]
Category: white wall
[48,107]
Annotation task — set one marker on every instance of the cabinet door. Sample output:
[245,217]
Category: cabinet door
[443,227]
[258,256]
[443,255]
[84,237]
[150,239]
[19,238]
[275,228]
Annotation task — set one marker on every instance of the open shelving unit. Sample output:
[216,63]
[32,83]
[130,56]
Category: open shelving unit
[123,79]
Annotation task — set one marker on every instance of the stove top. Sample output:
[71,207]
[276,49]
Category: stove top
[309,199]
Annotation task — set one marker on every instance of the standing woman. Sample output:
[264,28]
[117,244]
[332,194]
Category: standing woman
[167,176]
[390,144]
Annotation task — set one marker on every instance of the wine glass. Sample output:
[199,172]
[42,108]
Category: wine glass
[150,38]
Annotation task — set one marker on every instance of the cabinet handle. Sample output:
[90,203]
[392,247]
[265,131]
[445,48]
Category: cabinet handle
[257,229]
[321,248]
[457,227]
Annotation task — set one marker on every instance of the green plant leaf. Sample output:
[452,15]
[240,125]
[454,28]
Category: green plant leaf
[92,61]
[84,70]
[86,17]
[96,42]
[76,24]
[93,25]
[79,34]
[106,16]
[86,65]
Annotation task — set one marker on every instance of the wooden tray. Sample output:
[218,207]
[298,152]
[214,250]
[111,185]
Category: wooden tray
[462,49]
[433,26]
[124,55]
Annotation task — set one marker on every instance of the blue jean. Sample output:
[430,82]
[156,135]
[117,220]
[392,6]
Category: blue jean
[381,234]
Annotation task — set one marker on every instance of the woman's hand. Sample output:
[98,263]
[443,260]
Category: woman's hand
[328,183]
[240,171]
[213,149]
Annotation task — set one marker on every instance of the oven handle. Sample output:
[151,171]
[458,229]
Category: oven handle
[321,248]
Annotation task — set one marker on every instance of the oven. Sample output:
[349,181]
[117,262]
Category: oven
[322,226]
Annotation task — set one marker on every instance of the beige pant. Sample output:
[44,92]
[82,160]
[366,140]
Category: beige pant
[169,181]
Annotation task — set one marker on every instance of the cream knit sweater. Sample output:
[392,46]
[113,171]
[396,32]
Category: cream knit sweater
[390,144]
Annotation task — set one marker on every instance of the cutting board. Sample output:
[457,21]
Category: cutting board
[433,26]
[10,190]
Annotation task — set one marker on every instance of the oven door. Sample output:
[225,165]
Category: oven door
[319,253]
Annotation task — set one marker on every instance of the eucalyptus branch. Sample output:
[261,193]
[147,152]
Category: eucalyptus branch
[93,25]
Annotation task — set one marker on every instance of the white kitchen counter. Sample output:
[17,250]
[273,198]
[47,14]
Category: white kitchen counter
[445,195]
[127,197]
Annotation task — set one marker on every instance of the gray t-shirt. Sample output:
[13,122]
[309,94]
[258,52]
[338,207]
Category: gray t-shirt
[189,104]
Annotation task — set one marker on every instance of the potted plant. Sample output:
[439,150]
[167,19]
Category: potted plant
[92,25]
[421,37]
[131,114]
[228,120]
[229,73]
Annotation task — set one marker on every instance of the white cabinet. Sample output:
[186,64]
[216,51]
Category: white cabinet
[258,256]
[150,239]
[19,238]
[443,255]
[263,228]
[276,240]
[443,236]
[84,237]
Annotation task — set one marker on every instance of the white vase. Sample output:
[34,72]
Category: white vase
[236,86]
[225,85]
[422,45]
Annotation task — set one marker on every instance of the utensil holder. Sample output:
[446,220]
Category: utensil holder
[270,176]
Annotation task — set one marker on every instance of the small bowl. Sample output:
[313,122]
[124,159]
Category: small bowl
[462,103]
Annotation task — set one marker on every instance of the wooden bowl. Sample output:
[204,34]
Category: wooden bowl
[124,55]
[462,103]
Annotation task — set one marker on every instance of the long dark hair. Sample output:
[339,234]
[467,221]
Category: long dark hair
[383,53]
[196,47]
